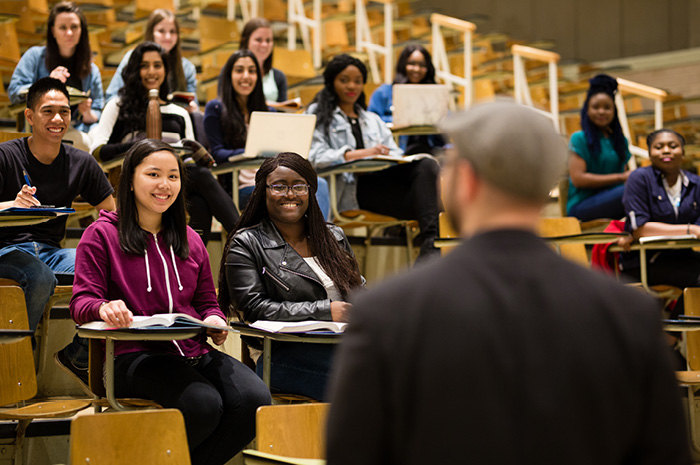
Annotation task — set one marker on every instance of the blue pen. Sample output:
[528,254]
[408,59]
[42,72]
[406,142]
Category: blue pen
[26,180]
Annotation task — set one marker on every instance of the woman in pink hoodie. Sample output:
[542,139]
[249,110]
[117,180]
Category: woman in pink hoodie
[144,260]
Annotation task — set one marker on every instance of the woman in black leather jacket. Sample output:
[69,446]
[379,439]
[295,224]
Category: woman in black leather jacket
[283,262]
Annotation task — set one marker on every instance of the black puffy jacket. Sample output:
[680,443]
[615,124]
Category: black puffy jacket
[269,280]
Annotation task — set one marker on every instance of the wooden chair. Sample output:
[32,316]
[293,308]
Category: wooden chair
[291,431]
[551,227]
[691,377]
[155,437]
[17,377]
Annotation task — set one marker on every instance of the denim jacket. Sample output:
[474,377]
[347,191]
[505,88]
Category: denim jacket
[32,67]
[329,151]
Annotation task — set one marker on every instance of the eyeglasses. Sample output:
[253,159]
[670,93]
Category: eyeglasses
[283,189]
[416,64]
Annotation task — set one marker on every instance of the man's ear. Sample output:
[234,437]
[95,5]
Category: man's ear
[29,116]
[468,182]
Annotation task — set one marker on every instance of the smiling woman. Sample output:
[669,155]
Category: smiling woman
[598,155]
[124,121]
[68,58]
[144,260]
[284,262]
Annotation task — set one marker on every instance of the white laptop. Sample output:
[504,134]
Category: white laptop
[270,133]
[419,104]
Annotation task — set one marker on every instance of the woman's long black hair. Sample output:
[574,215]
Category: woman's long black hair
[132,238]
[602,84]
[327,99]
[82,54]
[133,96]
[176,74]
[401,78]
[233,124]
[340,266]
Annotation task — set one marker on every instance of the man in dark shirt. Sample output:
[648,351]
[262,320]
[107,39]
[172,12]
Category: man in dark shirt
[40,170]
[503,352]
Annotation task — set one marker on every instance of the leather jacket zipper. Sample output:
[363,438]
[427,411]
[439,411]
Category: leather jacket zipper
[300,274]
[275,278]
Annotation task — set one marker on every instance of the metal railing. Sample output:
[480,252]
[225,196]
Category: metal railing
[364,42]
[440,61]
[296,16]
[522,88]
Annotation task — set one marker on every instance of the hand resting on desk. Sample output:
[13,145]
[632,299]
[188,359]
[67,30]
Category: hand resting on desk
[340,311]
[217,336]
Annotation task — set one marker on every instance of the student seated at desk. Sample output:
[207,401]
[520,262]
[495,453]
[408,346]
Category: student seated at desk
[143,260]
[257,37]
[598,156]
[124,122]
[66,57]
[163,28]
[415,66]
[662,200]
[284,262]
[226,119]
[345,131]
[58,173]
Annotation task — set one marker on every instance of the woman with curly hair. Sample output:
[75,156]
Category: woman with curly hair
[346,131]
[124,122]
[284,262]
[598,156]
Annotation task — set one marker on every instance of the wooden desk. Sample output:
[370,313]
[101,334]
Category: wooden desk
[414,131]
[161,334]
[582,238]
[10,219]
[681,325]
[268,337]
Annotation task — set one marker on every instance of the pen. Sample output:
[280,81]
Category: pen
[26,180]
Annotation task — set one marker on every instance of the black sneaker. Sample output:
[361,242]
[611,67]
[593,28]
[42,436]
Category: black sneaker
[79,374]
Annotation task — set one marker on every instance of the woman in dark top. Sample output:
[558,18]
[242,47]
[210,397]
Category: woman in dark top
[664,200]
[124,122]
[284,262]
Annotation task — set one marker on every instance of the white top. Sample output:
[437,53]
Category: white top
[674,192]
[327,282]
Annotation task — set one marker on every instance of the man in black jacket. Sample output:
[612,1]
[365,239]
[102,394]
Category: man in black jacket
[503,352]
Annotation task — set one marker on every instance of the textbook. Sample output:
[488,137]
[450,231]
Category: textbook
[182,98]
[299,326]
[289,106]
[159,320]
[679,237]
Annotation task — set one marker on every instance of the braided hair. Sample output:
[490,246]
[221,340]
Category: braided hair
[340,265]
[602,84]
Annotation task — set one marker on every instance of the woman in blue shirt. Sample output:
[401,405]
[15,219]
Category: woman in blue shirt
[662,199]
[415,66]
[598,156]
[66,57]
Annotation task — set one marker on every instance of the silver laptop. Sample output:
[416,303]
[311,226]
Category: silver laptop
[271,133]
[419,104]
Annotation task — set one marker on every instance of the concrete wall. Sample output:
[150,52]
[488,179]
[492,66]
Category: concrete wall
[589,30]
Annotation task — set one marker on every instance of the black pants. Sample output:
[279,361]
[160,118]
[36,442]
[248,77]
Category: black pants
[680,268]
[218,397]
[408,191]
[206,197]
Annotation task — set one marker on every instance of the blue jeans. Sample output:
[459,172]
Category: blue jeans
[323,197]
[32,265]
[604,204]
[299,368]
